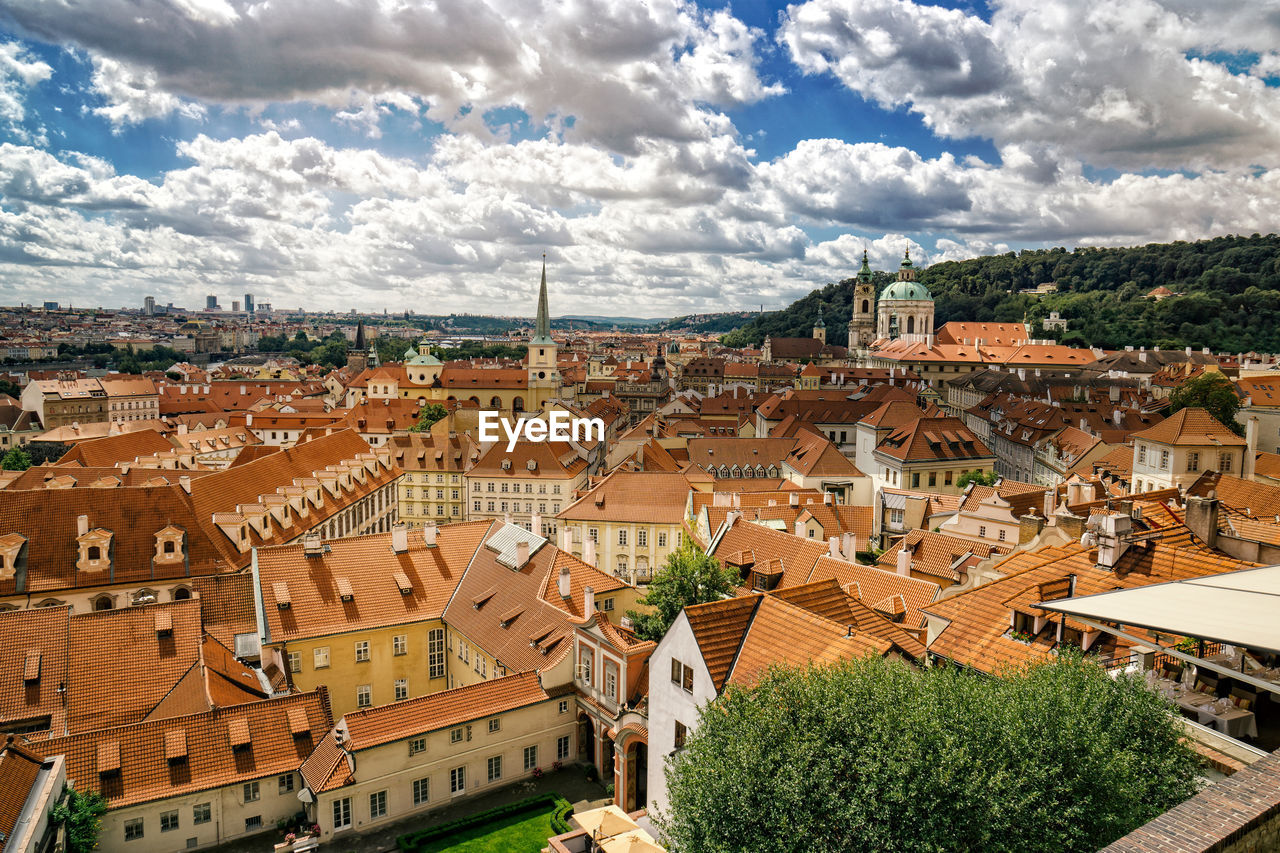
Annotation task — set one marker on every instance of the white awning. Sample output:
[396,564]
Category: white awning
[1239,608]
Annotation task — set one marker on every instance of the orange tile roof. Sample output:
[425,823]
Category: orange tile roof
[550,459]
[1246,496]
[1191,426]
[977,629]
[798,555]
[377,726]
[42,631]
[719,627]
[872,585]
[226,606]
[828,599]
[936,554]
[930,439]
[782,633]
[145,774]
[541,634]
[19,768]
[110,450]
[640,497]
[1267,465]
[368,564]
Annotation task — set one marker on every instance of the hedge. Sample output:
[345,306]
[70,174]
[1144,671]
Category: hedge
[411,842]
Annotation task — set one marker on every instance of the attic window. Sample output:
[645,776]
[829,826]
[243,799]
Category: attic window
[510,616]
[299,724]
[480,600]
[281,591]
[31,666]
[506,464]
[109,758]
[345,590]
[403,583]
[238,732]
[175,745]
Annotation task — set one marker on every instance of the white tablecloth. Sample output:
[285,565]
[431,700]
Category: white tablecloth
[1235,723]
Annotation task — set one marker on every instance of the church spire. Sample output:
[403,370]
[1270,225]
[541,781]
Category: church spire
[542,330]
[359,344]
[865,272]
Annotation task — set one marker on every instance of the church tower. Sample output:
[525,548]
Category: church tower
[862,326]
[358,352]
[544,377]
[820,330]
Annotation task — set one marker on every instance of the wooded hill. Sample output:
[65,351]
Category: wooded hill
[1227,295]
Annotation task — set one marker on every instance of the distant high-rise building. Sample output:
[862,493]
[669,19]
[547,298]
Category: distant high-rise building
[248,302]
[51,306]
[211,303]
[149,306]
[235,306]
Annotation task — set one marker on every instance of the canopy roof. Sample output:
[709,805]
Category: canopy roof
[1239,608]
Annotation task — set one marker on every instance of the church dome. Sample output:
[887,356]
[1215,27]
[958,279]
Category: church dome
[907,290]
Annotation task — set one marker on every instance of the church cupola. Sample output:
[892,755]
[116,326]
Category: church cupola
[820,330]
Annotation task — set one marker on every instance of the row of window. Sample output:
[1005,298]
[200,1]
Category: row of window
[399,646]
[201,813]
[1193,460]
[421,788]
[454,494]
[515,488]
[426,477]
[624,537]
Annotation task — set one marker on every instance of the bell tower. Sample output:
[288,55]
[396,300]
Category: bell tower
[862,326]
[544,377]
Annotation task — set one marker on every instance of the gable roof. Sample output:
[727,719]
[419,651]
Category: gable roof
[634,497]
[1191,426]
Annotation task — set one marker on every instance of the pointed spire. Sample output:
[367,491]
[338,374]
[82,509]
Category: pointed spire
[360,344]
[865,272]
[542,330]
[906,258]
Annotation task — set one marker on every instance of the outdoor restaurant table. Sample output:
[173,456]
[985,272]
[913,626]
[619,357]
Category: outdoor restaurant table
[1234,723]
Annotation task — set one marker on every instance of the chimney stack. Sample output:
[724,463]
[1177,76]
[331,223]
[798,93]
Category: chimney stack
[589,552]
[904,562]
[535,525]
[82,525]
[429,535]
[522,553]
[563,581]
[588,602]
[793,499]
[399,538]
[828,498]
[833,547]
[1250,448]
[798,529]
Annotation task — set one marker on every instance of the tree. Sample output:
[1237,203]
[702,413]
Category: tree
[981,478]
[689,577]
[10,388]
[15,460]
[872,754]
[82,813]
[428,416]
[1212,392]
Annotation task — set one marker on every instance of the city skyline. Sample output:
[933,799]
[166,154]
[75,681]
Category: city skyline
[670,159]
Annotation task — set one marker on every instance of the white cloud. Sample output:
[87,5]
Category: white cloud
[132,95]
[1113,84]
[19,71]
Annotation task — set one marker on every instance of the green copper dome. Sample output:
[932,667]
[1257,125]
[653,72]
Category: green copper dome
[906,290]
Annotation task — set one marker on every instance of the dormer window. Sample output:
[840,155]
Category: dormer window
[95,550]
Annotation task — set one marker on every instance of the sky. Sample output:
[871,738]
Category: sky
[667,157]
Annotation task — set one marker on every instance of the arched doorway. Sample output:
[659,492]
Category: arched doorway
[633,769]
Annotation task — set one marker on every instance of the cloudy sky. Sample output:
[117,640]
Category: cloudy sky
[668,157]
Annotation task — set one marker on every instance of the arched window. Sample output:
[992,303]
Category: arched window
[103,602]
[866,306]
[911,325]
[495,402]
[473,398]
[517,405]
[181,594]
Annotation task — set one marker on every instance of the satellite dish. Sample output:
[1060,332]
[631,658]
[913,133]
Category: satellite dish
[1089,539]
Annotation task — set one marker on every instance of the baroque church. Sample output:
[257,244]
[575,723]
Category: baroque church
[904,310]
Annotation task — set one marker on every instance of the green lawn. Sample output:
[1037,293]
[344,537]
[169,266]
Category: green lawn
[518,833]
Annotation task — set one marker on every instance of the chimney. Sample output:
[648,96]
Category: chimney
[828,498]
[566,539]
[563,581]
[798,529]
[535,525]
[429,535]
[793,499]
[1071,524]
[185,483]
[1029,527]
[850,543]
[833,547]
[399,538]
[1112,530]
[588,602]
[82,525]
[589,552]
[1202,518]
[182,429]
[1114,392]
[522,553]
[1250,448]
[904,562]
[244,389]
[248,419]
[1050,501]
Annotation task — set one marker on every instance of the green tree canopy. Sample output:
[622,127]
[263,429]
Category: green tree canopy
[982,478]
[1212,392]
[82,813]
[15,460]
[875,755]
[428,416]
[689,577]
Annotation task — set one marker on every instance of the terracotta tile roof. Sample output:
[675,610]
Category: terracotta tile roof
[1267,465]
[542,634]
[461,379]
[368,564]
[417,451]
[549,460]
[226,606]
[977,633]
[828,599]
[110,450]
[1191,426]
[930,439]
[798,555]
[41,631]
[1245,496]
[1022,497]
[1000,334]
[936,554]
[815,456]
[376,726]
[719,627]
[19,767]
[326,768]
[640,497]
[145,774]
[782,633]
[872,585]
